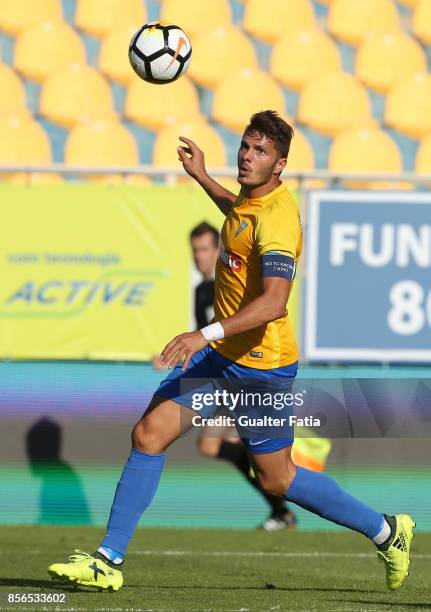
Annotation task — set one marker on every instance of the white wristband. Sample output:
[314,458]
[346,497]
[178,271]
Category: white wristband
[213,332]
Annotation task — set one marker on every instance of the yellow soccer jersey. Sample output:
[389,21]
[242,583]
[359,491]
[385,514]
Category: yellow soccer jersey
[252,228]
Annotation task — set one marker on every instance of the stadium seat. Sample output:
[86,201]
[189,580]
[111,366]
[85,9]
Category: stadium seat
[423,159]
[218,52]
[268,21]
[352,21]
[113,59]
[19,15]
[35,178]
[334,102]
[301,159]
[75,95]
[99,19]
[409,3]
[301,156]
[22,141]
[137,180]
[408,106]
[244,93]
[386,59]
[165,147]
[154,107]
[195,16]
[301,56]
[14,101]
[102,144]
[46,47]
[365,150]
[422,21]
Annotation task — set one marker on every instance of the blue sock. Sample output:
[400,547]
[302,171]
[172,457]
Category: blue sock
[135,491]
[323,496]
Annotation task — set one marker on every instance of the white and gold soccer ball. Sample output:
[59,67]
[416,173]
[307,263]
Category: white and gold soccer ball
[160,53]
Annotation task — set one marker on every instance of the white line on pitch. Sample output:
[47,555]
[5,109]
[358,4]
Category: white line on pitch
[237,553]
[183,553]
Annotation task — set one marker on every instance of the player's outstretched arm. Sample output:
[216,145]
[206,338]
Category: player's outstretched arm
[267,307]
[193,161]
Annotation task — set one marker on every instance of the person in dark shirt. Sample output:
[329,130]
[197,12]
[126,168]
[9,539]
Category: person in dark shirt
[204,240]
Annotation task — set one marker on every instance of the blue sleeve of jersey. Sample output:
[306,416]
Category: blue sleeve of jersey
[276,264]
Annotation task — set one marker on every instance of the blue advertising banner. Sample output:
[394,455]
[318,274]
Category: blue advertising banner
[368,281]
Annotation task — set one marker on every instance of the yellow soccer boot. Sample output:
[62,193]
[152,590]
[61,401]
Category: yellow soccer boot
[396,554]
[88,570]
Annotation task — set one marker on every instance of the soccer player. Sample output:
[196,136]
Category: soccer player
[251,339]
[224,443]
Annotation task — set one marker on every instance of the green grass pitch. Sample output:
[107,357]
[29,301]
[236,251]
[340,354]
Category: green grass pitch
[173,569]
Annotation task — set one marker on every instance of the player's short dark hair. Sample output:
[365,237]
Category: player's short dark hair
[205,228]
[270,124]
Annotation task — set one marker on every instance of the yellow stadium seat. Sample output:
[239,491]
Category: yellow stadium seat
[218,52]
[76,95]
[301,159]
[334,102]
[365,150]
[408,106]
[22,141]
[36,178]
[156,106]
[166,144]
[422,21]
[386,59]
[271,20]
[47,47]
[113,58]
[102,144]
[303,55]
[14,101]
[301,155]
[409,3]
[423,159]
[100,18]
[244,93]
[137,180]
[354,20]
[194,16]
[18,15]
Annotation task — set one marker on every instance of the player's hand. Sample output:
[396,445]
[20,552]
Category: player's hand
[183,347]
[156,362]
[192,158]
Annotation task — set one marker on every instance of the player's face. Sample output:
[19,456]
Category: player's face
[258,160]
[205,254]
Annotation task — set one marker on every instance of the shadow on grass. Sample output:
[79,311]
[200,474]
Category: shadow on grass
[264,587]
[51,584]
[70,588]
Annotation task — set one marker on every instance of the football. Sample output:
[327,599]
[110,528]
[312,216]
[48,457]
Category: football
[160,53]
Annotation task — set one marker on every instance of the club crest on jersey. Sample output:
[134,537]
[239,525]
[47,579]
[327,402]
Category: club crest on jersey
[241,227]
[229,260]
